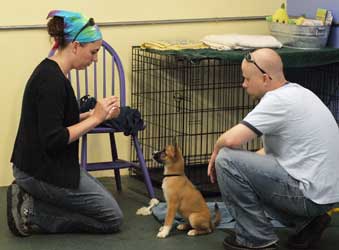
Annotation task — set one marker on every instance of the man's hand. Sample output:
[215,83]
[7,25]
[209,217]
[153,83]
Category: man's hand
[232,138]
[211,166]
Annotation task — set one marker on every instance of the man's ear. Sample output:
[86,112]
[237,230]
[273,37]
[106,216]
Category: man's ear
[266,78]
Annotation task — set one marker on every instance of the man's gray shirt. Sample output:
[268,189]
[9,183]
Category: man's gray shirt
[302,134]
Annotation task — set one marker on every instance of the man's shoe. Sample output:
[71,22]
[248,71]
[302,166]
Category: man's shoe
[231,244]
[310,236]
[15,219]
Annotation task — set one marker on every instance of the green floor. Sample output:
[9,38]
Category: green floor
[138,232]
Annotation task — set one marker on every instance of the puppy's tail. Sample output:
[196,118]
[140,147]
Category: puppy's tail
[217,215]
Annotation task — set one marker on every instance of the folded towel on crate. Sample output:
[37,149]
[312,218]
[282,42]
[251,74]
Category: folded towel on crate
[173,45]
[159,212]
[238,41]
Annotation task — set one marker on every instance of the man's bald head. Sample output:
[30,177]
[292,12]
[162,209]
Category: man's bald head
[270,61]
[262,72]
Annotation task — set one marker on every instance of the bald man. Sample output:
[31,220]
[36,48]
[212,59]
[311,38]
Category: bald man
[294,178]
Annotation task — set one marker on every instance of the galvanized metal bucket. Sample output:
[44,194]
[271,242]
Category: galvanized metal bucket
[300,36]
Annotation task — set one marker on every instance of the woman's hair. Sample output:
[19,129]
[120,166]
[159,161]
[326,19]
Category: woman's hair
[55,28]
[67,26]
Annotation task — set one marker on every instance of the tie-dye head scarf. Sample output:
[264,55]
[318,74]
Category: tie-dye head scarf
[77,27]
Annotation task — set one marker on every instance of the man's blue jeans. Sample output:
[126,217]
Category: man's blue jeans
[89,208]
[251,184]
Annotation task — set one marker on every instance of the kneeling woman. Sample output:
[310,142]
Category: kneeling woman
[51,193]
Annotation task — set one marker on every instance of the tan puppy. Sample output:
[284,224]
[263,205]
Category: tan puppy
[181,196]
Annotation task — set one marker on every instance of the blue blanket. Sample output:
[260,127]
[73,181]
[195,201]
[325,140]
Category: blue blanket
[227,221]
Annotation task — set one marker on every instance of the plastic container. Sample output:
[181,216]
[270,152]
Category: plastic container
[299,36]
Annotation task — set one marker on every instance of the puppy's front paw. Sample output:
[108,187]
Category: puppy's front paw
[162,235]
[163,232]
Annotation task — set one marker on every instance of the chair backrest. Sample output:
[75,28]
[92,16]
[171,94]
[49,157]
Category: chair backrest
[102,78]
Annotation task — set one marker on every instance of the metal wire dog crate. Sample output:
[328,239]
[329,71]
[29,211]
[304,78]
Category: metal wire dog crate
[197,100]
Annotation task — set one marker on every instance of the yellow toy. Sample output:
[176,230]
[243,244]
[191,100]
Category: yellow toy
[280,15]
[332,211]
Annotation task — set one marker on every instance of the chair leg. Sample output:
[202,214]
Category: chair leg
[115,157]
[143,167]
[117,179]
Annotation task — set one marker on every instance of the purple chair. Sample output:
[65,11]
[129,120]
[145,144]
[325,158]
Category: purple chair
[103,78]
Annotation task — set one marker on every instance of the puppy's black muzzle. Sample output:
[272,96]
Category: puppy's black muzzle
[159,156]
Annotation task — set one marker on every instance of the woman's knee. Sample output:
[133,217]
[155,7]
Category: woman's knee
[114,226]
[113,221]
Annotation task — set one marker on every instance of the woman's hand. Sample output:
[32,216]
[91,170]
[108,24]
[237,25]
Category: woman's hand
[115,110]
[106,108]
